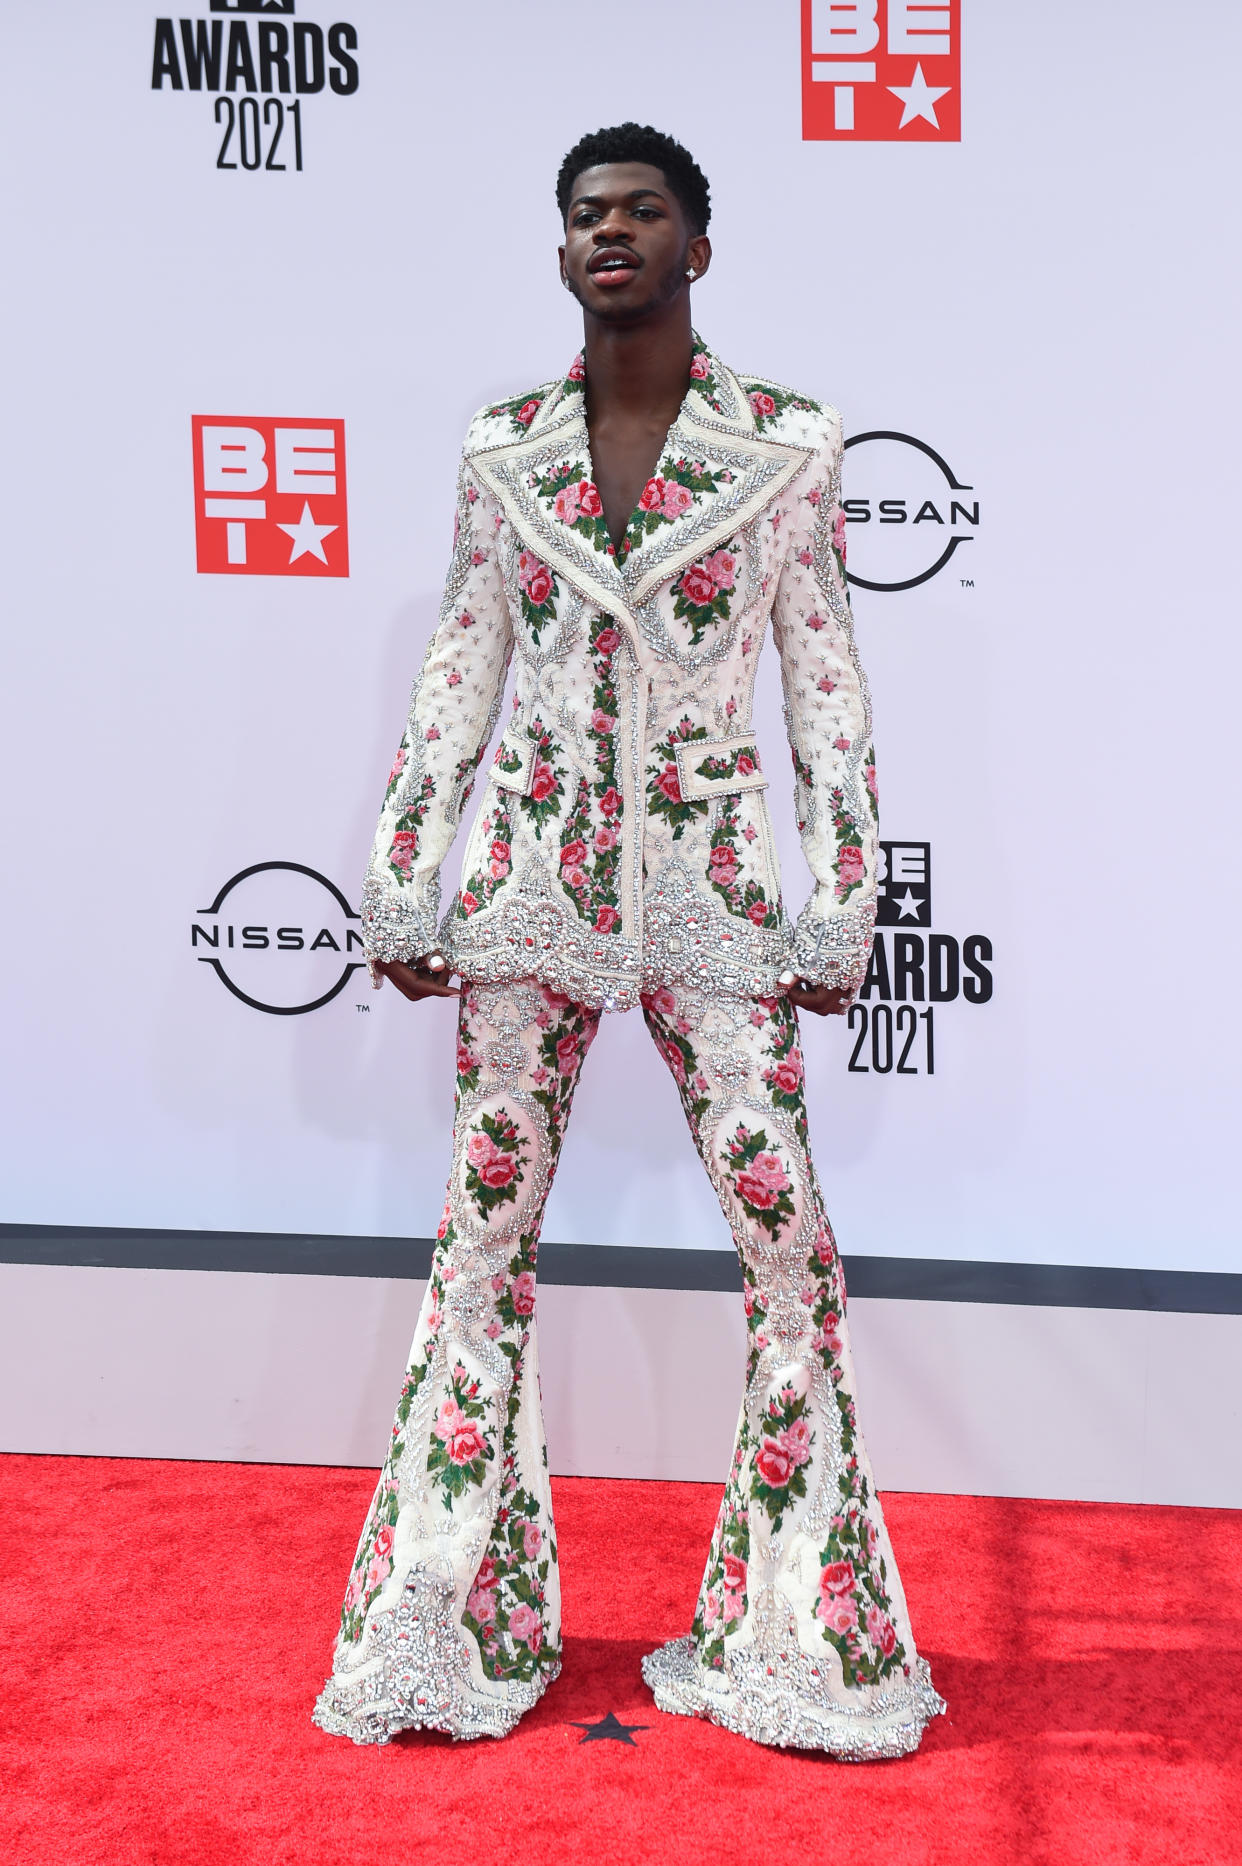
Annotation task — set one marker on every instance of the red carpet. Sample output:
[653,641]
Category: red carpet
[166,1627]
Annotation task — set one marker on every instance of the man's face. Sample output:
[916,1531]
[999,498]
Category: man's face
[627,243]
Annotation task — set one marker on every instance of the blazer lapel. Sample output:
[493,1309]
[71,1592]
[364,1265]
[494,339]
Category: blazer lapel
[730,473]
[715,473]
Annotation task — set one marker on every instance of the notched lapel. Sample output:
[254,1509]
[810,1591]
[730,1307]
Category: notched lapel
[715,474]
[526,476]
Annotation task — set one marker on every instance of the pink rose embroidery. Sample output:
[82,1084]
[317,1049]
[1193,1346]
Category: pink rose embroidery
[607,641]
[398,765]
[697,584]
[540,586]
[838,1613]
[460,1436]
[544,781]
[526,1626]
[651,497]
[796,1439]
[698,367]
[482,1604]
[526,413]
[610,802]
[573,854]
[881,1631]
[577,369]
[567,1057]
[532,1540]
[837,1578]
[677,499]
[524,1293]
[762,404]
[773,1464]
[669,783]
[605,838]
[850,865]
[589,501]
[566,505]
[721,566]
[838,534]
[606,919]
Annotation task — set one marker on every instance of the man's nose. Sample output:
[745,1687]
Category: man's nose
[611,231]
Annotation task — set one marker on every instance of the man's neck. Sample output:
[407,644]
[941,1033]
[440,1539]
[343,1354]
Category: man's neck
[639,370]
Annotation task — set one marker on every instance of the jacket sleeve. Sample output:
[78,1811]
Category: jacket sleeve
[828,715]
[453,710]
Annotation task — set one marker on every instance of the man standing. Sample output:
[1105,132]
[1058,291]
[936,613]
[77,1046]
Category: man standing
[627,534]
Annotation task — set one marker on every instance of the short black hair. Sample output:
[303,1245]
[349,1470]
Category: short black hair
[638,142]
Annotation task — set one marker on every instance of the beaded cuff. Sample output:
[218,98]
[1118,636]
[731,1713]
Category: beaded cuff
[833,949]
[396,927]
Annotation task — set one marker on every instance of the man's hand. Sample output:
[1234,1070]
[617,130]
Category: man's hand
[427,978]
[824,1000]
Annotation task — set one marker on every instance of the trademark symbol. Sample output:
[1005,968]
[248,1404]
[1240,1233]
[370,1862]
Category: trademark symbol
[967,583]
[362,1007]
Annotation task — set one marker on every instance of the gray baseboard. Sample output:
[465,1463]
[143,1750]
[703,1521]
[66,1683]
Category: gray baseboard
[924,1279]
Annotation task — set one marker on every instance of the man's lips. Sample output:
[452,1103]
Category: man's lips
[614,266]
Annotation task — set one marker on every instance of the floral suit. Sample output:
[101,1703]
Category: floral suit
[623,839]
[648,829]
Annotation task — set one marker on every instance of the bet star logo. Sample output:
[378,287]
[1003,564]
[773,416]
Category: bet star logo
[881,71]
[269,496]
[904,885]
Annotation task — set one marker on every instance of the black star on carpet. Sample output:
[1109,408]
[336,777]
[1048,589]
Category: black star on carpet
[609,1730]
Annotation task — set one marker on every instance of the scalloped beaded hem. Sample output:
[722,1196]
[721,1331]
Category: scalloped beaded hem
[766,1709]
[341,1710]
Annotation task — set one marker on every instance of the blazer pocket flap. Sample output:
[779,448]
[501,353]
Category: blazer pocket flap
[711,767]
[513,767]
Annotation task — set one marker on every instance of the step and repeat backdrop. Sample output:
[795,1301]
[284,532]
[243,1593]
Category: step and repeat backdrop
[266,259]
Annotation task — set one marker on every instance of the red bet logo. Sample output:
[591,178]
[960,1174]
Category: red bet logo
[882,71]
[269,496]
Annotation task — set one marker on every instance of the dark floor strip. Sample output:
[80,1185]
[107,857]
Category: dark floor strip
[622,1267]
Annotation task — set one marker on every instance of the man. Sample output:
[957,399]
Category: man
[626,534]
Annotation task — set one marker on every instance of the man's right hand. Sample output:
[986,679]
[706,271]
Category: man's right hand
[425,978]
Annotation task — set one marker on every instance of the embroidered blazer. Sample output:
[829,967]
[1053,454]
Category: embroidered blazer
[623,839]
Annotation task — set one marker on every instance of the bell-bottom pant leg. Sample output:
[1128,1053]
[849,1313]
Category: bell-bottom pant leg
[801,1635]
[451,1619]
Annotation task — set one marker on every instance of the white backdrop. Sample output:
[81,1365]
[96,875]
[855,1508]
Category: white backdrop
[1050,304]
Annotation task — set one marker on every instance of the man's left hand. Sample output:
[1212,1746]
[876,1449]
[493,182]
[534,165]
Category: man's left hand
[824,1000]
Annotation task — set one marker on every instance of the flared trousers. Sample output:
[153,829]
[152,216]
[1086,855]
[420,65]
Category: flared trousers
[451,1617]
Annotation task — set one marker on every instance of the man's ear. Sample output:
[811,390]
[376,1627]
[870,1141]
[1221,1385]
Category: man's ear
[699,254]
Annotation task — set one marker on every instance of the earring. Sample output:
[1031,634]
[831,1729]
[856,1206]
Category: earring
[690,272]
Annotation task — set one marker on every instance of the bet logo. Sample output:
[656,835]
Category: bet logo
[882,71]
[269,496]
